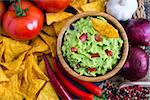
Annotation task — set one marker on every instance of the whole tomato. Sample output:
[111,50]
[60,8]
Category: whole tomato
[2,10]
[27,25]
[52,5]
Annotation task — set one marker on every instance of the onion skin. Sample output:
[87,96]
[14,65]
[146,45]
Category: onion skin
[136,66]
[138,31]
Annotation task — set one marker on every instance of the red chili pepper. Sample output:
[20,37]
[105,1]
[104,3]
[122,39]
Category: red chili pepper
[74,49]
[109,52]
[83,37]
[98,38]
[88,85]
[62,92]
[74,90]
[94,55]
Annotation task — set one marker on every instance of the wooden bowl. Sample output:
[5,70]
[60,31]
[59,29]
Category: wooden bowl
[111,73]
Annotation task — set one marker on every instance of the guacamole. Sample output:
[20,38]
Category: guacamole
[87,52]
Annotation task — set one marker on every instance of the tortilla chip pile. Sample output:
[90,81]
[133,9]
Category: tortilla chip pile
[22,69]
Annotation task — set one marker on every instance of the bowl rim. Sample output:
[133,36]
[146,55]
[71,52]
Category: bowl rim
[108,74]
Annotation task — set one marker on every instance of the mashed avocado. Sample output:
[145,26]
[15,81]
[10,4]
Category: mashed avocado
[88,52]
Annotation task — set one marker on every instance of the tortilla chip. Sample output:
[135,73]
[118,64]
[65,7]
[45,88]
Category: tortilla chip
[13,48]
[98,6]
[10,90]
[5,93]
[33,67]
[38,46]
[35,87]
[20,75]
[25,75]
[51,42]
[28,75]
[15,64]
[49,30]
[50,59]
[38,71]
[13,85]
[9,95]
[31,76]
[18,96]
[79,10]
[59,25]
[57,17]
[104,28]
[47,93]
[36,58]
[29,98]
[1,51]
[3,76]
[18,70]
[42,67]
[78,3]
[25,82]
[39,56]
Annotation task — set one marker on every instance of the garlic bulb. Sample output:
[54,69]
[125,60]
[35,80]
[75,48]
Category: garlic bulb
[121,9]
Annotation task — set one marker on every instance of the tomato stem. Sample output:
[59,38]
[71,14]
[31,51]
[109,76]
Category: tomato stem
[18,10]
[19,4]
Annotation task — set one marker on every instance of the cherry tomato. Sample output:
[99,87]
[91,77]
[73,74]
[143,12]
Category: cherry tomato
[2,10]
[23,27]
[52,5]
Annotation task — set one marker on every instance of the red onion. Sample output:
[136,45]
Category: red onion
[138,31]
[137,64]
